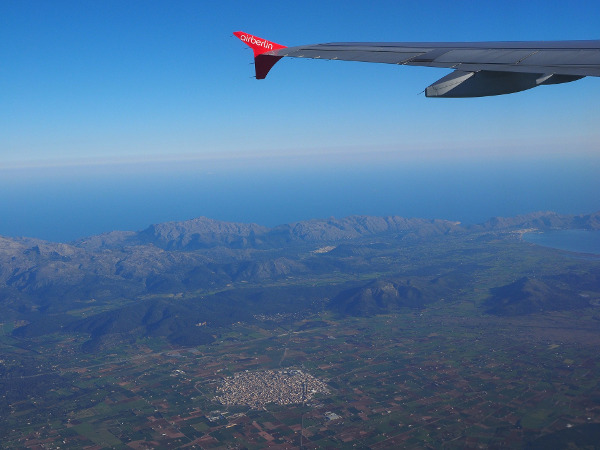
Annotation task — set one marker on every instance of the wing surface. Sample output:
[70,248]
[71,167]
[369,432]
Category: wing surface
[480,68]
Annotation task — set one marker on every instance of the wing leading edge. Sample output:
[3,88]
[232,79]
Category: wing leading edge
[480,68]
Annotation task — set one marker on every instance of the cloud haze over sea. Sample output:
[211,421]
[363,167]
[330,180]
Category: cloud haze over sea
[69,199]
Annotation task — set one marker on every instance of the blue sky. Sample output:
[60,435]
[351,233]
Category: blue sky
[129,81]
[153,104]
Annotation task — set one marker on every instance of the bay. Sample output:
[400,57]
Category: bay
[581,241]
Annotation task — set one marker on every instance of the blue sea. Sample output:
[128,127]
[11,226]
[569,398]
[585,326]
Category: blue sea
[69,203]
[582,241]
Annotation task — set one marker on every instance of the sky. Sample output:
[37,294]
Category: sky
[98,89]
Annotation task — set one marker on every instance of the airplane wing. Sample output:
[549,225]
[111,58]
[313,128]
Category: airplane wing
[480,68]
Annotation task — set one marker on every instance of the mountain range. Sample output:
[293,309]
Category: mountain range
[204,250]
[122,280]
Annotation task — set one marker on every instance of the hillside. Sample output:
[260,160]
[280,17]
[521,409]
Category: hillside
[530,295]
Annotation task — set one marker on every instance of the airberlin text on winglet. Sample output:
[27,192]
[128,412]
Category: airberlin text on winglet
[251,40]
[258,45]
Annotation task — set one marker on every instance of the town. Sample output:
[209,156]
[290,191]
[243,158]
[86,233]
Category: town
[282,387]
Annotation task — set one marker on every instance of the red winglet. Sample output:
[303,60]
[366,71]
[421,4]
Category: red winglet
[262,63]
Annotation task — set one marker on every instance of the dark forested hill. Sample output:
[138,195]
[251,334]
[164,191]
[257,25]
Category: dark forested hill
[529,295]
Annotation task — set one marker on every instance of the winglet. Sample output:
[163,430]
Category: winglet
[262,63]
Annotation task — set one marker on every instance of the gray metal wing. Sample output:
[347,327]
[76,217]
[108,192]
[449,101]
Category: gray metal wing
[480,69]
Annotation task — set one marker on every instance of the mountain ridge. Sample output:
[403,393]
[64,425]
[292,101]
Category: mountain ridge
[144,257]
[203,232]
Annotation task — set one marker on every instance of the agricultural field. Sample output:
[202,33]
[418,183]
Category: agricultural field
[467,341]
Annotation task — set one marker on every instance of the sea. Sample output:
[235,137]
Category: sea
[69,203]
[581,241]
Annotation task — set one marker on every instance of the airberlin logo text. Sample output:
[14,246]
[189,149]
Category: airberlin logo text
[251,40]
